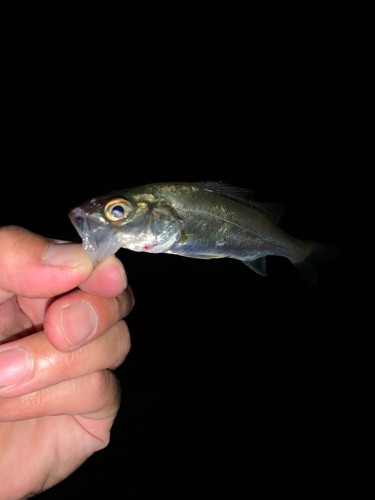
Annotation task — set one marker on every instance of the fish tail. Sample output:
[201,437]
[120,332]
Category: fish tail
[317,253]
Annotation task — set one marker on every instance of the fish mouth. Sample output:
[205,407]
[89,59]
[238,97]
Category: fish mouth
[97,239]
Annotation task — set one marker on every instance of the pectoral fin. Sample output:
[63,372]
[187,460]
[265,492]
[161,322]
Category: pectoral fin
[257,265]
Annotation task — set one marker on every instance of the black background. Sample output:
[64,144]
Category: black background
[235,383]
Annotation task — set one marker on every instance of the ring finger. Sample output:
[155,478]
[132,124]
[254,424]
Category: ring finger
[39,365]
[97,395]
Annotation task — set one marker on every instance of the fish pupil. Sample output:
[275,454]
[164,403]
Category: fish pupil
[118,212]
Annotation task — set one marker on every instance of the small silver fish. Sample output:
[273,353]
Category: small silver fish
[202,220]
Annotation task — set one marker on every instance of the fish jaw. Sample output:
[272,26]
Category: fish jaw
[97,239]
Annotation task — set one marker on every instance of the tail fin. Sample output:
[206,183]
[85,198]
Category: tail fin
[317,253]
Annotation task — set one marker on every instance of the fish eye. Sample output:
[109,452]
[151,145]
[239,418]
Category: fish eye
[117,210]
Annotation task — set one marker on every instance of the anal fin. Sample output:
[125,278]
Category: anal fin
[257,265]
[200,256]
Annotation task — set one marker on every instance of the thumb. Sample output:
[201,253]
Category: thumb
[34,266]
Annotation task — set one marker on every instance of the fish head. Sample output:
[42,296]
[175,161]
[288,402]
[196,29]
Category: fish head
[124,220]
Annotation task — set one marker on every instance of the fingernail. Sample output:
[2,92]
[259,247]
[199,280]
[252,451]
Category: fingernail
[79,322]
[15,366]
[66,254]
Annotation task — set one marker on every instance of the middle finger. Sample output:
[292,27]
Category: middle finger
[79,317]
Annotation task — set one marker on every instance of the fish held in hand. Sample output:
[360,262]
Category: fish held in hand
[202,220]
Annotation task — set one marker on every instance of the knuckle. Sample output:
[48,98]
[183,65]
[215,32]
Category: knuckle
[10,230]
[14,236]
[122,343]
[126,302]
[96,382]
[105,387]
[31,405]
[115,308]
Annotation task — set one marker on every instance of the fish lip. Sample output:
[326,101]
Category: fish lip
[79,219]
[87,231]
[97,239]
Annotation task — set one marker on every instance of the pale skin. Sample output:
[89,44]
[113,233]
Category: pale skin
[58,395]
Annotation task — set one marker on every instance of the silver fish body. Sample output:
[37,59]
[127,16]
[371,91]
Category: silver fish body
[203,220]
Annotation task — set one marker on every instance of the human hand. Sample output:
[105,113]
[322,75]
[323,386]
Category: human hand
[58,343]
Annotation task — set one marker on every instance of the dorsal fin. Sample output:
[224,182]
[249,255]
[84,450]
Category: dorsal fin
[242,195]
[245,196]
[274,210]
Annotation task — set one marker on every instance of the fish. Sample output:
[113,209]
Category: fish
[201,220]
